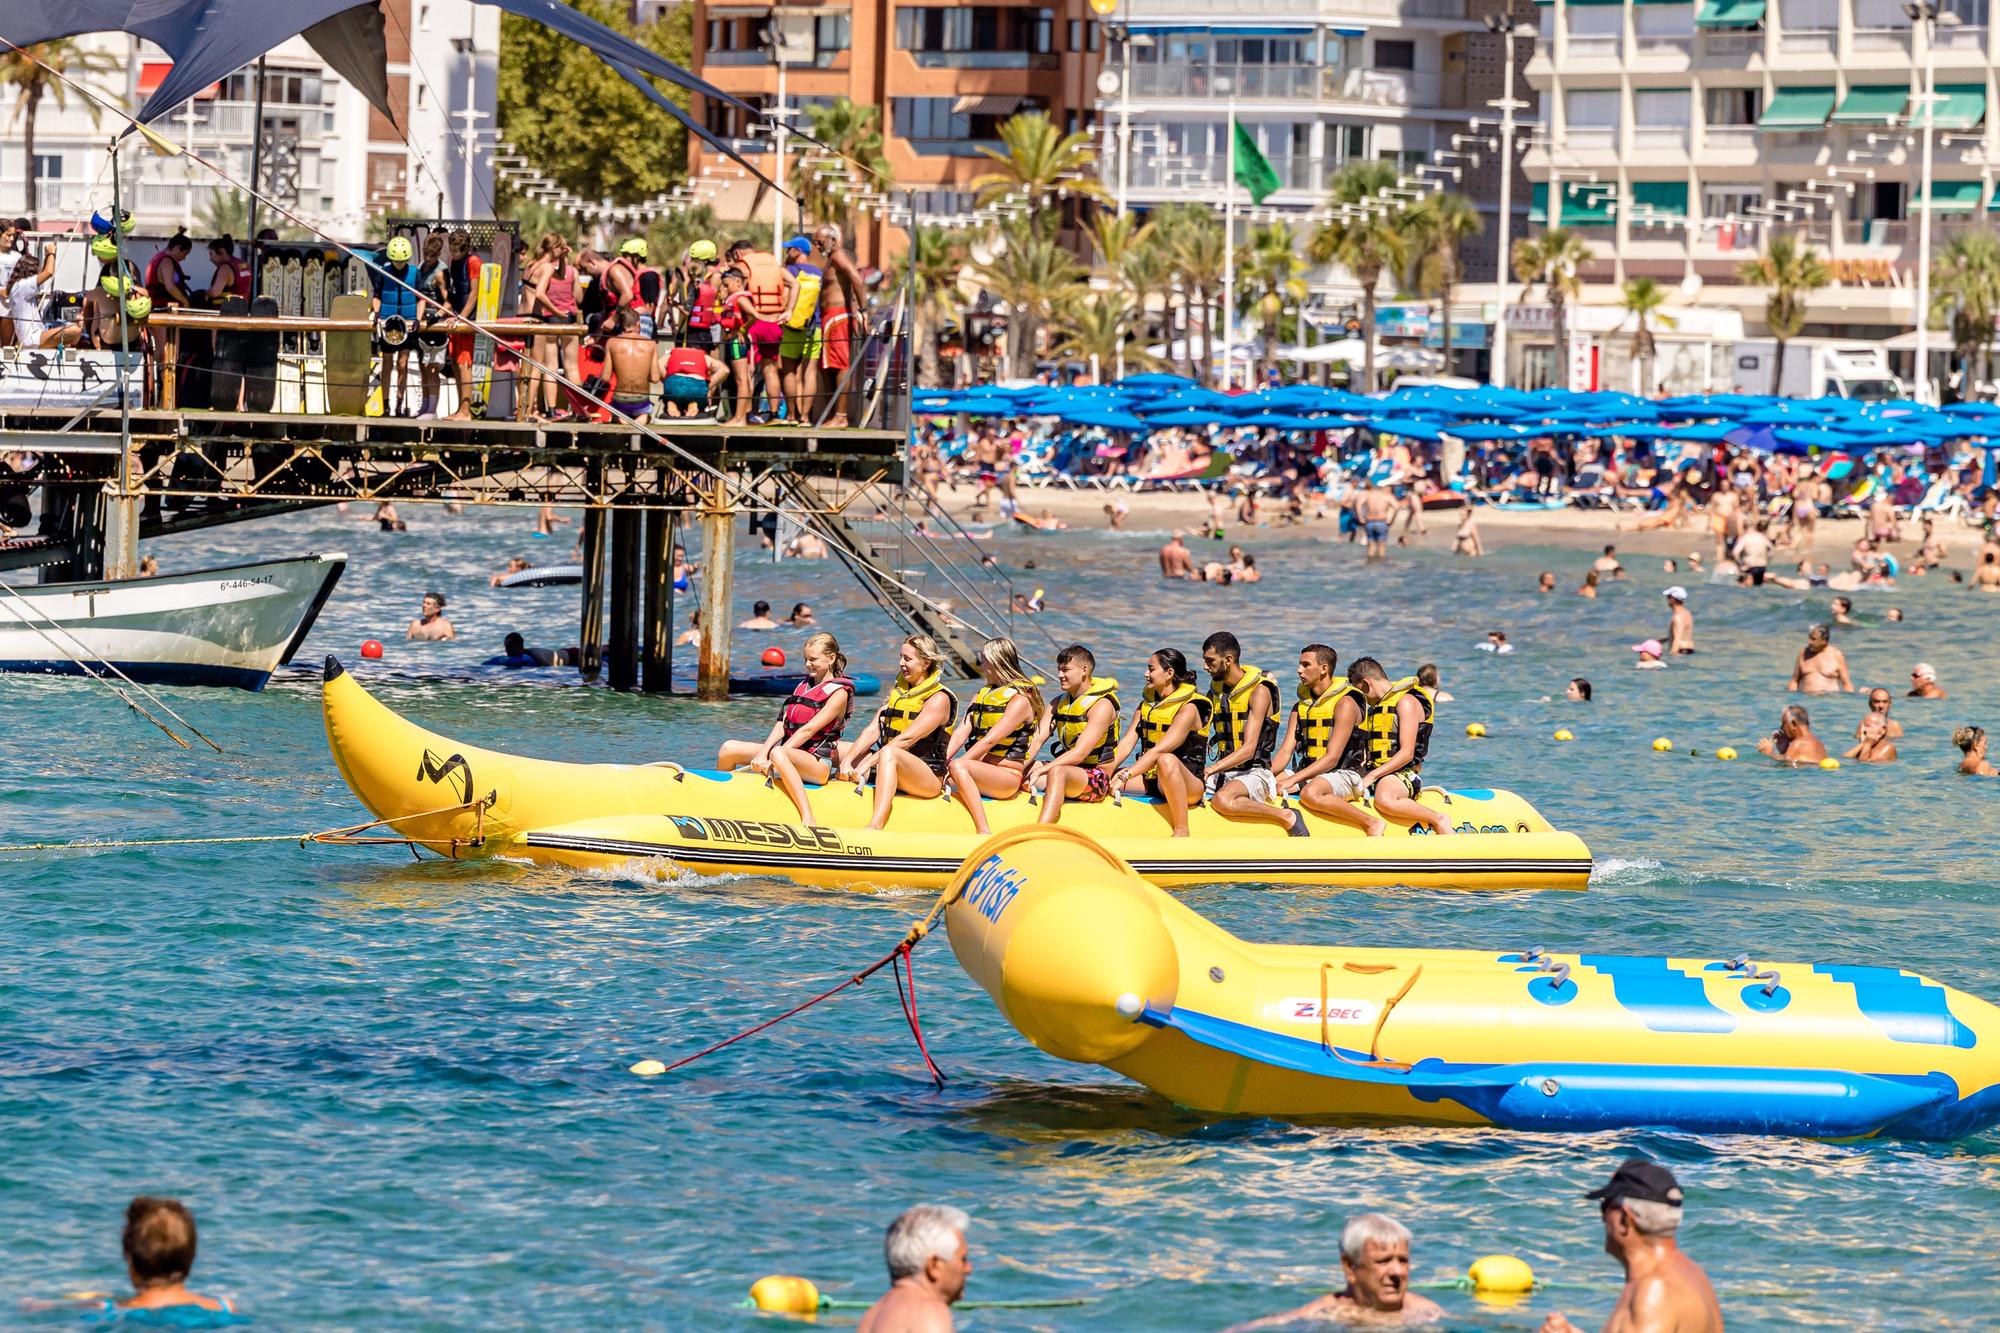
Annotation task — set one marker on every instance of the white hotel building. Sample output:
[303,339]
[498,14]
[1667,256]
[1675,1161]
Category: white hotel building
[338,159]
[1675,136]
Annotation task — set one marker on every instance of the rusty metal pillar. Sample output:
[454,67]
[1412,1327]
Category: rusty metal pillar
[718,558]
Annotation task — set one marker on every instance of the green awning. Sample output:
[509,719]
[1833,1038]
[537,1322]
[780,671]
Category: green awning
[1585,204]
[1797,109]
[1730,14]
[1960,106]
[1662,2]
[1954,196]
[1659,199]
[1872,104]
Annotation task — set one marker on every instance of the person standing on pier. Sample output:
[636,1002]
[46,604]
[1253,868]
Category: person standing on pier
[462,294]
[839,300]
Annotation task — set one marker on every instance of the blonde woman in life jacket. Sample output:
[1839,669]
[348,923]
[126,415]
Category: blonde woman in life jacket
[991,741]
[804,743]
[904,747]
[1325,745]
[1172,720]
[1398,723]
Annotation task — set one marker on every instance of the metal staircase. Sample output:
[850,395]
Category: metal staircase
[924,570]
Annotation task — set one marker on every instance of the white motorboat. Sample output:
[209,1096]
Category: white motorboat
[231,626]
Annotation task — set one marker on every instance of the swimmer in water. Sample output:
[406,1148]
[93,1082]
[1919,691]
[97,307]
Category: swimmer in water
[1466,541]
[1972,740]
[1545,582]
[1878,706]
[431,625]
[1588,588]
[1579,690]
[1427,676]
[1176,562]
[1872,744]
[514,566]
[1793,742]
[1923,683]
[1375,1262]
[1649,656]
[928,1267]
[159,1244]
[1820,668]
[1664,1289]
[1680,622]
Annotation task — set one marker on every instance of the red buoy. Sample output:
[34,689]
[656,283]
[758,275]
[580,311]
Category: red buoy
[371,648]
[774,657]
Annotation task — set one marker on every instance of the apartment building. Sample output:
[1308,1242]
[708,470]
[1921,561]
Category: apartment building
[944,75]
[333,157]
[1316,83]
[1678,136]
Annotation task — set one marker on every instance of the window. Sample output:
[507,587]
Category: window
[1724,201]
[1592,108]
[1662,21]
[939,203]
[423,18]
[1397,55]
[982,37]
[284,87]
[831,33]
[934,125]
[1662,108]
[1599,26]
[1971,13]
[1811,15]
[48,166]
[1734,106]
[1353,141]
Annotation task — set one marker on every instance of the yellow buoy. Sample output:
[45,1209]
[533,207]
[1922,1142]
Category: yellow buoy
[1565,734]
[785,1295]
[1475,728]
[1829,763]
[648,1068]
[1663,744]
[1501,1273]
[1726,752]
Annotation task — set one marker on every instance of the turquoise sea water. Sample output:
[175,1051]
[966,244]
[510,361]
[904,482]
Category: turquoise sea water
[395,1093]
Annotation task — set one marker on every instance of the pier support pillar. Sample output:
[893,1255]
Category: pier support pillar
[590,628]
[121,534]
[623,667]
[718,559]
[656,635]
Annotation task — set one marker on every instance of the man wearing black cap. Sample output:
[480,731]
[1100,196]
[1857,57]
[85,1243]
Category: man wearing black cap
[1665,1291]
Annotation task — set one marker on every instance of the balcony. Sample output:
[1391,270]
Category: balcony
[992,60]
[1659,138]
[1382,87]
[1591,139]
[1731,44]
[1728,137]
[1678,46]
[232,120]
[1965,37]
[1808,41]
[1200,174]
[1596,46]
[1882,41]
[1248,83]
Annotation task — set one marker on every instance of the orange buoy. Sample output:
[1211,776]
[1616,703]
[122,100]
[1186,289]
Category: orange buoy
[774,657]
[371,648]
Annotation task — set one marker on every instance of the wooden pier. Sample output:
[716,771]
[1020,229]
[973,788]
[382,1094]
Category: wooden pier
[191,470]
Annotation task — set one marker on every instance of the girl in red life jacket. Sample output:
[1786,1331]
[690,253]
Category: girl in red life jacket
[804,742]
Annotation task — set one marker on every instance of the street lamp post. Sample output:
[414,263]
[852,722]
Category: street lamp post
[1508,29]
[1926,13]
[1228,235]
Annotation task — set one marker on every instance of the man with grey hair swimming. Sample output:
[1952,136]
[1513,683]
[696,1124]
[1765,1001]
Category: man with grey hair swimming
[928,1265]
[1375,1258]
[1665,1291]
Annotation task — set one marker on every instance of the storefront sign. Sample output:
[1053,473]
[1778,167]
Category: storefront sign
[66,378]
[1531,319]
[1861,270]
[1403,321]
[1582,363]
[1463,334]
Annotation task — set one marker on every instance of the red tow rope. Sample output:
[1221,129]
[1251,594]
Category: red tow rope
[898,958]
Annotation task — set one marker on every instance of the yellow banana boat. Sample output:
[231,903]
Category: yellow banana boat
[1092,964]
[462,801]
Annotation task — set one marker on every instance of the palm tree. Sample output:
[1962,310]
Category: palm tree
[935,258]
[1035,276]
[1439,225]
[1144,271]
[34,72]
[1965,285]
[1642,302]
[849,161]
[1552,259]
[1095,329]
[1788,269]
[1366,236]
[1269,274]
[1037,163]
[1198,251]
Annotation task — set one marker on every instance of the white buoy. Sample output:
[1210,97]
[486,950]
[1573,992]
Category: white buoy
[1130,1006]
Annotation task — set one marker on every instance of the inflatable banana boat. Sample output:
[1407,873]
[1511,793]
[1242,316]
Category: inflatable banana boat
[462,801]
[1094,965]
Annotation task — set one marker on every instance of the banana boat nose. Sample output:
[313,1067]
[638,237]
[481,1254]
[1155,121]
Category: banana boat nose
[1067,941]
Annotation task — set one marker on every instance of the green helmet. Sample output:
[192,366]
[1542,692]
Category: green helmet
[117,284]
[105,248]
[399,250]
[138,305]
[634,246]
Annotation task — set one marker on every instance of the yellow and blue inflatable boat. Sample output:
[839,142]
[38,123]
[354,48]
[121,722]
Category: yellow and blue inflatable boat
[462,801]
[1092,964]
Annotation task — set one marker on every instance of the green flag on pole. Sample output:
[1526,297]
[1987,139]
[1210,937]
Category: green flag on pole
[1253,171]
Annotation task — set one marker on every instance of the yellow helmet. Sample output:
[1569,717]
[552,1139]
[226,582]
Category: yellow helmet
[634,246]
[117,284]
[702,250]
[105,249]
[399,250]
[138,305]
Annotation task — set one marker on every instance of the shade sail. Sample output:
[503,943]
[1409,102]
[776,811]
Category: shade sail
[1798,109]
[1730,14]
[1872,104]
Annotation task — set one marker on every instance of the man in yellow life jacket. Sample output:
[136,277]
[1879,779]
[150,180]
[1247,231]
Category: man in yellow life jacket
[1324,744]
[1083,716]
[1398,727]
[1243,731]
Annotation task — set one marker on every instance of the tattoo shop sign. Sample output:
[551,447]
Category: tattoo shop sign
[63,377]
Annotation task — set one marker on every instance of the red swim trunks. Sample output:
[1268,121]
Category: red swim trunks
[837,354]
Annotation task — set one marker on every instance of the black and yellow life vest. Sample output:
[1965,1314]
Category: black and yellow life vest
[1316,717]
[1156,718]
[1071,716]
[1384,732]
[1229,714]
[985,711]
[901,710]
